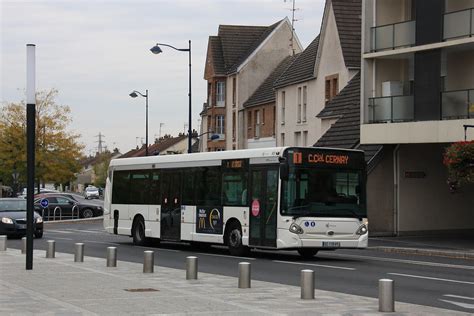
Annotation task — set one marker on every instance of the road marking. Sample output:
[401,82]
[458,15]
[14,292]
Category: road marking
[224,256]
[101,242]
[89,231]
[63,238]
[463,305]
[315,265]
[459,296]
[422,263]
[59,231]
[431,278]
[160,249]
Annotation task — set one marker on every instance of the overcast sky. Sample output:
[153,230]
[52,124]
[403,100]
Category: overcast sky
[96,52]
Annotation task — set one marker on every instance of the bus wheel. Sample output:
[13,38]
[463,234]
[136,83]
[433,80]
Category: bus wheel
[234,241]
[138,232]
[307,253]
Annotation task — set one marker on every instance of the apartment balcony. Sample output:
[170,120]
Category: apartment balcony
[391,109]
[458,24]
[393,36]
[457,104]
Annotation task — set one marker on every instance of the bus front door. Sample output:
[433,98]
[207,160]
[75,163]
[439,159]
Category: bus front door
[171,206]
[263,206]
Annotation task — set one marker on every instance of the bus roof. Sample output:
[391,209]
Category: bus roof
[215,155]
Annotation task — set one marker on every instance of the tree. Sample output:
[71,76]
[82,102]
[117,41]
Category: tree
[459,159]
[100,169]
[58,151]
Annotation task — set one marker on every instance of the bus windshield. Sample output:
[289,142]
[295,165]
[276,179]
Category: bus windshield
[323,192]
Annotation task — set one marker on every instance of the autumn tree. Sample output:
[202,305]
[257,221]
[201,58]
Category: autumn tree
[58,151]
[101,167]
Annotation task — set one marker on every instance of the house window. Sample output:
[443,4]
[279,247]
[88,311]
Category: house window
[298,113]
[282,137]
[263,116]
[220,93]
[305,98]
[331,87]
[283,104]
[249,123]
[257,124]
[219,124]
[297,138]
[234,90]
[305,138]
[233,125]
[209,94]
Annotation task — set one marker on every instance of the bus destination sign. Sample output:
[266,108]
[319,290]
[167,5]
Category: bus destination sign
[319,158]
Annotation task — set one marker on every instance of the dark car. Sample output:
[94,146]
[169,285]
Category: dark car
[45,195]
[62,207]
[13,218]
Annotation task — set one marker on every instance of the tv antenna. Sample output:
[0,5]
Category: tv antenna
[293,20]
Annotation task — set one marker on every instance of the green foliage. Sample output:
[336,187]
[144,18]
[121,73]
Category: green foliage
[459,159]
[100,169]
[58,152]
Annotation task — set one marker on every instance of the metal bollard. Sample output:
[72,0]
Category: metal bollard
[23,245]
[51,250]
[191,268]
[307,284]
[111,256]
[3,243]
[148,261]
[79,252]
[386,295]
[244,275]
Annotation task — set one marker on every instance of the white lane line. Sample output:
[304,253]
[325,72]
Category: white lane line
[88,231]
[224,256]
[421,263]
[315,265]
[431,278]
[101,242]
[58,231]
[158,249]
[460,304]
[459,296]
[62,238]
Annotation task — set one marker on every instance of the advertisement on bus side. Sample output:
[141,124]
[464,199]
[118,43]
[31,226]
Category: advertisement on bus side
[209,220]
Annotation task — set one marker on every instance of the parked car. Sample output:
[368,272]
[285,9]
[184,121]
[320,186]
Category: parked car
[42,190]
[13,218]
[63,207]
[45,195]
[91,193]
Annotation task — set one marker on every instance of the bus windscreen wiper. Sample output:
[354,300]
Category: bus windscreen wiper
[350,211]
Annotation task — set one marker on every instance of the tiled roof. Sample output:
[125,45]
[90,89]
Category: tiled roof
[302,68]
[265,93]
[345,133]
[348,15]
[345,98]
[156,148]
[237,42]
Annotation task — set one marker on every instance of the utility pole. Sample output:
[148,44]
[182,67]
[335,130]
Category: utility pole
[100,141]
[159,133]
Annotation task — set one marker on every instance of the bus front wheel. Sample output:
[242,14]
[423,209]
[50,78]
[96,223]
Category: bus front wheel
[307,253]
[138,232]
[234,241]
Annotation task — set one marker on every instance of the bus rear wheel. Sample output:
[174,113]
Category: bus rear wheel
[234,241]
[307,253]
[138,232]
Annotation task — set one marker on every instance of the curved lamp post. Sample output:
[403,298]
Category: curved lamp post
[156,50]
[135,94]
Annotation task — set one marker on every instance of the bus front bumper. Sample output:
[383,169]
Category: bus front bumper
[293,241]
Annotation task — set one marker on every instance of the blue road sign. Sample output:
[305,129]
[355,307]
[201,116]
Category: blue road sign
[44,203]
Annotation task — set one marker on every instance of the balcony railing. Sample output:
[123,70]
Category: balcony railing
[457,104]
[458,24]
[391,109]
[393,36]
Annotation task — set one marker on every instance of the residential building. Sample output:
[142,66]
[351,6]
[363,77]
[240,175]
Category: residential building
[417,92]
[238,60]
[318,74]
[166,145]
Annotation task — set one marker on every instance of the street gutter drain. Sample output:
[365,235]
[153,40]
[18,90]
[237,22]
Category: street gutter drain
[141,290]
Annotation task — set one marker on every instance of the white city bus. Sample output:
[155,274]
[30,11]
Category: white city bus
[293,198]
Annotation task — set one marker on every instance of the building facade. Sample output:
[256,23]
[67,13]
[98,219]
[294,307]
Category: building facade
[417,92]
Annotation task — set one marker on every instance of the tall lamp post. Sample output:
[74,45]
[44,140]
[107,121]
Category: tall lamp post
[156,50]
[135,94]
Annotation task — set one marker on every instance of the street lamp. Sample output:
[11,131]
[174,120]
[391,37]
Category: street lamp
[156,50]
[135,94]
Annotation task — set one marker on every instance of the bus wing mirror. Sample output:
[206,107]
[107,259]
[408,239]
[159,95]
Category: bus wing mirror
[284,170]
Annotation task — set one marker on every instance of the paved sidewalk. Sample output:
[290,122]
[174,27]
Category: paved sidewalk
[60,286]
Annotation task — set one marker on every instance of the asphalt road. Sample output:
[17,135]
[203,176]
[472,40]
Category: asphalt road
[433,281]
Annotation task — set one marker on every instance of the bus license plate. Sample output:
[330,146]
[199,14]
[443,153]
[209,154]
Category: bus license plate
[331,244]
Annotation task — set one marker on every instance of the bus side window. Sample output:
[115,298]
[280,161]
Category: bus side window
[208,188]
[121,187]
[154,194]
[188,186]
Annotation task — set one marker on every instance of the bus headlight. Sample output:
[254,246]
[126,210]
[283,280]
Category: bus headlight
[362,230]
[296,229]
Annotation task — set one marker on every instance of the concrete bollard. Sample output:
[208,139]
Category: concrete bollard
[148,261]
[51,250]
[23,245]
[79,252]
[3,243]
[307,284]
[244,275]
[191,268]
[386,295]
[111,257]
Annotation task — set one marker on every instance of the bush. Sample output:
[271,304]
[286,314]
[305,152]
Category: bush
[459,159]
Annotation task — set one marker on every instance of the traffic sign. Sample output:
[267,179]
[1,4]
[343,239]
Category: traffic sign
[44,203]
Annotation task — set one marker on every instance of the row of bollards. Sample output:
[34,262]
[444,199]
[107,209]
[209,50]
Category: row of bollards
[386,286]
